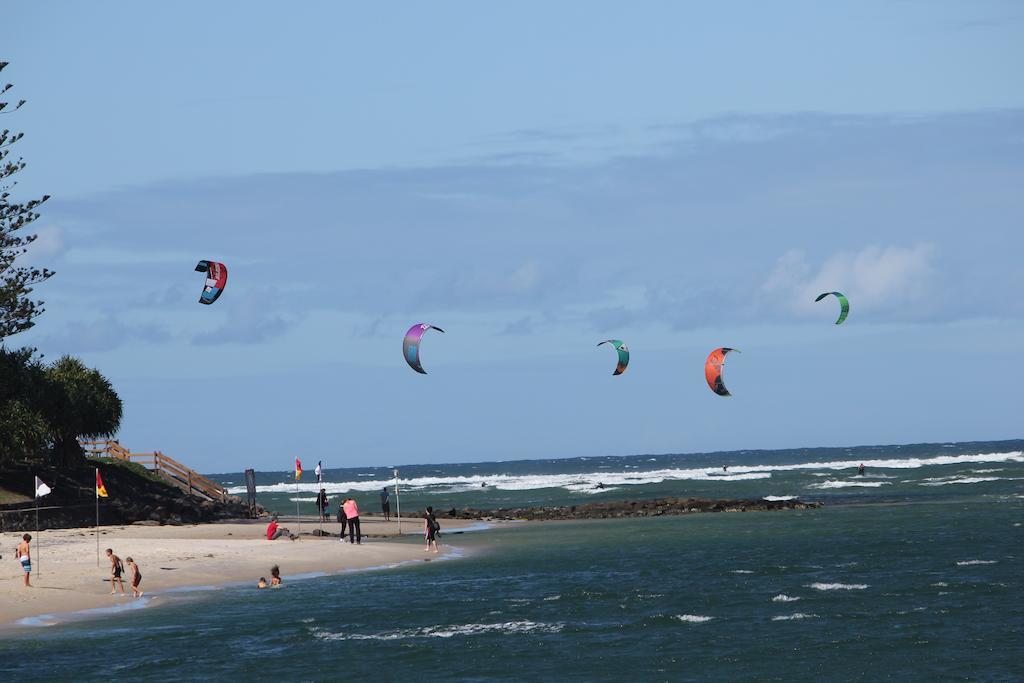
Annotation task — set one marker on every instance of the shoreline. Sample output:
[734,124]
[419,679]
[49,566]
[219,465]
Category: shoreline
[176,560]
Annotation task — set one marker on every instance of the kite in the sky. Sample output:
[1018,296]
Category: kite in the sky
[713,370]
[216,278]
[844,304]
[411,345]
[623,352]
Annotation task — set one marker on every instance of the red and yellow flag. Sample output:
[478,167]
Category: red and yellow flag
[298,469]
[101,490]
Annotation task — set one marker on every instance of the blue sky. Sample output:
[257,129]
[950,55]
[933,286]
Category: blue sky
[533,179]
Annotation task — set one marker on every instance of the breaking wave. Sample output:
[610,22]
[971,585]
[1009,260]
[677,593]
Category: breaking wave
[838,586]
[588,481]
[839,484]
[447,631]
[693,618]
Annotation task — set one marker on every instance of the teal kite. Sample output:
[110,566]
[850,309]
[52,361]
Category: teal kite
[623,352]
[844,304]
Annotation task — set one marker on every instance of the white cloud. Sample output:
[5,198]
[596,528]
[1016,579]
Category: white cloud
[874,278]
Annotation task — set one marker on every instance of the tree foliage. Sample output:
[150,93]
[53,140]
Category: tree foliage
[17,309]
[45,409]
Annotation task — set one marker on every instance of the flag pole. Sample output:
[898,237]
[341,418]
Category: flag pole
[297,520]
[398,504]
[97,490]
[38,541]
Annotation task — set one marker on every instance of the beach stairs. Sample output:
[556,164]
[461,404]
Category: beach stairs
[185,478]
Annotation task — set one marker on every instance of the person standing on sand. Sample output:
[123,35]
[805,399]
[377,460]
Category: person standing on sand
[134,577]
[430,528]
[385,504]
[342,518]
[355,534]
[322,504]
[23,554]
[116,569]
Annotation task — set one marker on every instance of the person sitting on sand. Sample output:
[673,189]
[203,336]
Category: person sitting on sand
[134,577]
[116,569]
[275,532]
[23,554]
[430,529]
[275,576]
[262,583]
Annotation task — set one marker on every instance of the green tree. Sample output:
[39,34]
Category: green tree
[17,309]
[24,432]
[81,403]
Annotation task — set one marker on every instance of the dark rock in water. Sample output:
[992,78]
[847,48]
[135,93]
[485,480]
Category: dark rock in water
[633,508]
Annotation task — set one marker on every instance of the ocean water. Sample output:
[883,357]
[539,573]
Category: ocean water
[894,473]
[914,580]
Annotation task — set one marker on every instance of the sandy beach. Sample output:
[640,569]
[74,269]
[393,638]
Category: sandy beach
[66,577]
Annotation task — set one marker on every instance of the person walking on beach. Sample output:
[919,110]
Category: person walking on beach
[134,577]
[116,569]
[430,528]
[321,504]
[355,534]
[385,504]
[23,554]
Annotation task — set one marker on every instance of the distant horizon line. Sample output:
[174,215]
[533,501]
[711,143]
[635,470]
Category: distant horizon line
[309,469]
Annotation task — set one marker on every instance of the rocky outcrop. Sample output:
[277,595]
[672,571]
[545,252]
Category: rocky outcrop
[656,507]
[134,495]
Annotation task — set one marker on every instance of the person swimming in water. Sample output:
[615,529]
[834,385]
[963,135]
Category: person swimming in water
[860,470]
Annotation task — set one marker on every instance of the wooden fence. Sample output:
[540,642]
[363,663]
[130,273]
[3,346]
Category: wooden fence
[185,478]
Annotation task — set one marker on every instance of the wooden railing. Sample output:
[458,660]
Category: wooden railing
[185,478]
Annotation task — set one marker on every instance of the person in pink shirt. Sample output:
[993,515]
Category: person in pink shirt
[355,535]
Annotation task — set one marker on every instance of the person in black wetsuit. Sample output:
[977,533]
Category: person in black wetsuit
[430,529]
[322,504]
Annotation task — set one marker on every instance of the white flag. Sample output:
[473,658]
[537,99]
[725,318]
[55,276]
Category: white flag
[41,488]
[318,471]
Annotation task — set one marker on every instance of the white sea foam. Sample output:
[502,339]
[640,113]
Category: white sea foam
[940,584]
[447,631]
[957,480]
[839,484]
[524,482]
[693,618]
[774,498]
[782,597]
[838,586]
[740,571]
[794,616]
[971,563]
